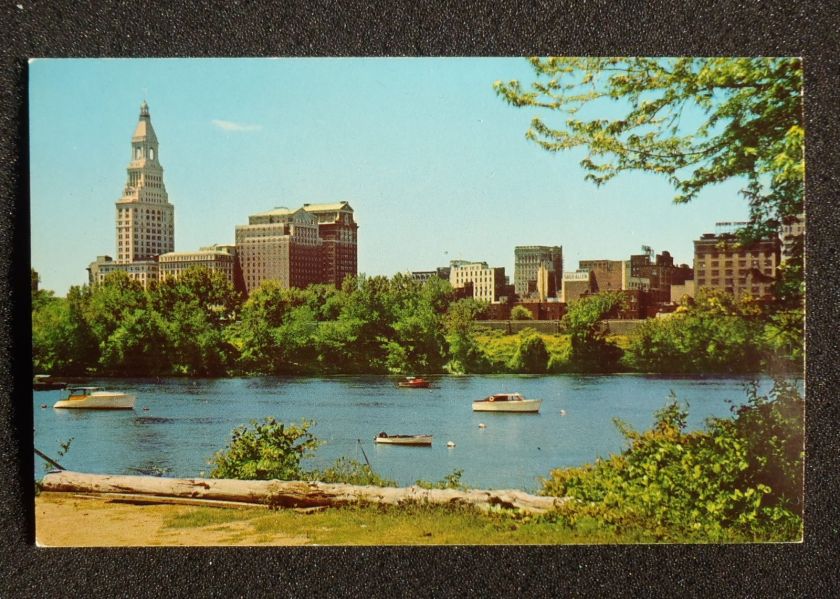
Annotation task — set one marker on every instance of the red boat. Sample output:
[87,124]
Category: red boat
[413,382]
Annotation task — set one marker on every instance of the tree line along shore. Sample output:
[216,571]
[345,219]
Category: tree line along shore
[198,325]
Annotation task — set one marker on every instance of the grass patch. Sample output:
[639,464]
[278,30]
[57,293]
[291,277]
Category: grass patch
[210,516]
[407,524]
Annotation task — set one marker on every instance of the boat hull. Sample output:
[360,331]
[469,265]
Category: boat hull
[412,440]
[109,401]
[525,405]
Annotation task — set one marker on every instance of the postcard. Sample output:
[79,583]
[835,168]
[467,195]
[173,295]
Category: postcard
[405,301]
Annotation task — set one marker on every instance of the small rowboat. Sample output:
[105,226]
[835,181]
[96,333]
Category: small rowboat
[95,398]
[425,440]
[413,382]
[506,402]
[43,382]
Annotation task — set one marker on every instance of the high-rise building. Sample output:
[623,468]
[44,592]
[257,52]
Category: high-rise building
[281,245]
[337,230]
[145,220]
[487,283]
[792,234]
[528,260]
[720,262]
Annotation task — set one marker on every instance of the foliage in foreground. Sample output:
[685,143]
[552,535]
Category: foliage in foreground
[267,450]
[272,450]
[741,479]
[449,481]
[351,472]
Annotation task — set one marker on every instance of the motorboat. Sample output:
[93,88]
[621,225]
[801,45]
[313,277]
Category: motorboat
[44,382]
[96,398]
[506,402]
[413,382]
[403,439]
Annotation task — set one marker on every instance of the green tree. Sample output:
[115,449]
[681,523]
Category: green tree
[267,450]
[716,334]
[418,343]
[521,313]
[590,351]
[465,355]
[62,342]
[531,355]
[369,314]
[139,346]
[783,336]
[697,121]
[108,303]
[197,306]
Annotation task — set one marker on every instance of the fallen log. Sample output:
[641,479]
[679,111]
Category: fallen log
[291,494]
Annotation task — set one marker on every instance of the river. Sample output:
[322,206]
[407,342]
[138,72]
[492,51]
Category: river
[187,420]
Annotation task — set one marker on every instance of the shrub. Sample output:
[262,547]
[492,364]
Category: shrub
[531,354]
[266,450]
[590,351]
[738,480]
[521,313]
[351,472]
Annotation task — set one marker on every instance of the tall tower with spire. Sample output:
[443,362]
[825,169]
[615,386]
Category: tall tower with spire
[145,218]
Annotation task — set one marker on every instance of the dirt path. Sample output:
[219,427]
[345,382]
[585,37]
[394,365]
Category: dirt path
[68,520]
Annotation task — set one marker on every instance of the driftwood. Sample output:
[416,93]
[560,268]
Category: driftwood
[286,494]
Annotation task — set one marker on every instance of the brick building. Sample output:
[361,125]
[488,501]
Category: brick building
[721,263]
[607,275]
[530,262]
[339,238]
[660,272]
[281,245]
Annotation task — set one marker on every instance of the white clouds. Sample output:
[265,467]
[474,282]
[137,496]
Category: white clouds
[232,126]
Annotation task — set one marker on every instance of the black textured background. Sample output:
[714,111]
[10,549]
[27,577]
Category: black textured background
[238,28]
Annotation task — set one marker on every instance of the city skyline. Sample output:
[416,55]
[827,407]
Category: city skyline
[435,166]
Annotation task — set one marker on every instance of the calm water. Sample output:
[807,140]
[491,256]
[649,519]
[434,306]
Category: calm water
[189,419]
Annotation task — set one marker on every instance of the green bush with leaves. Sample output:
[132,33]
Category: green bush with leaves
[715,334]
[590,350]
[531,355]
[351,472]
[521,313]
[739,480]
[267,450]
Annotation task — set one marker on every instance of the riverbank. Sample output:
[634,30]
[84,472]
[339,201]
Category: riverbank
[71,520]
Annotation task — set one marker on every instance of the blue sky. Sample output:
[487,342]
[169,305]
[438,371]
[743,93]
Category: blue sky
[435,165]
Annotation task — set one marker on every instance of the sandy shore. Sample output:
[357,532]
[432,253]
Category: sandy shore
[70,520]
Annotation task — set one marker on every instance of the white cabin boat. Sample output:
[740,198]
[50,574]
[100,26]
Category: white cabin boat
[96,398]
[403,439]
[506,402]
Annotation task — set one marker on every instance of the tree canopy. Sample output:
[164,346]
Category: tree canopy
[698,121]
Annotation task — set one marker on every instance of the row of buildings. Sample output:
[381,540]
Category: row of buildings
[315,243]
[651,282]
